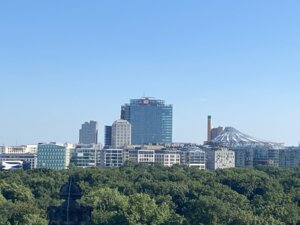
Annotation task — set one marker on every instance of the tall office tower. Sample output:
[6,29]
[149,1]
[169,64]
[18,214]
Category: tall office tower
[88,134]
[120,134]
[209,127]
[107,136]
[151,121]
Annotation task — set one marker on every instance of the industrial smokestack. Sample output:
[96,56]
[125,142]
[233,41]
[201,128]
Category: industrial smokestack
[209,127]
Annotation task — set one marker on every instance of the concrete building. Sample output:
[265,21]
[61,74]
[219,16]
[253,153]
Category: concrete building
[193,157]
[120,134]
[111,157]
[88,134]
[86,155]
[53,156]
[167,158]
[220,158]
[151,120]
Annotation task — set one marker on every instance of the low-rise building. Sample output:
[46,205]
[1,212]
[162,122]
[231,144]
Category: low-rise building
[220,158]
[53,156]
[111,157]
[23,149]
[167,158]
[142,156]
[85,155]
[193,157]
[289,157]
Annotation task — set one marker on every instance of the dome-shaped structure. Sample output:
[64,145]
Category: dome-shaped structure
[231,137]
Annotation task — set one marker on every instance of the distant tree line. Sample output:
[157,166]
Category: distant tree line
[153,195]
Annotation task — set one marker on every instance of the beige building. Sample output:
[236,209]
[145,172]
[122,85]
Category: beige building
[167,158]
[120,134]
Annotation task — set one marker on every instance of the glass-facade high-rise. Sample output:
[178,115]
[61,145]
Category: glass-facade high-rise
[151,120]
[107,136]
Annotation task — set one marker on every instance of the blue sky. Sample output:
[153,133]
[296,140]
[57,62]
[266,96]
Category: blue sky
[66,62]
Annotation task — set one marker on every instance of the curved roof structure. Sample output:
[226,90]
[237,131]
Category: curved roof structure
[231,137]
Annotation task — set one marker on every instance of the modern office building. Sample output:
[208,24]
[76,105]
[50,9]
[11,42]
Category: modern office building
[151,120]
[86,155]
[220,158]
[289,157]
[167,158]
[244,156]
[88,134]
[53,156]
[144,156]
[193,157]
[107,136]
[120,134]
[29,160]
[111,157]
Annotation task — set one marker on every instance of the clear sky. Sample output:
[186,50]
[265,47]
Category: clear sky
[63,62]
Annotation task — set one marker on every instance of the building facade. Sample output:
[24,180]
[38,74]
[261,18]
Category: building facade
[23,149]
[86,155]
[151,120]
[167,158]
[120,134]
[111,157]
[88,134]
[193,157]
[289,157]
[107,136]
[220,158]
[53,156]
[144,156]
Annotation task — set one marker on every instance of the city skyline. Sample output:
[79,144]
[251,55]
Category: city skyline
[63,63]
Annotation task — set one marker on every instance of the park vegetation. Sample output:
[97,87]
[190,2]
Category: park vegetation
[153,195]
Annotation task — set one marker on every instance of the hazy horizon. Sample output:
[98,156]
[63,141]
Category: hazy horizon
[66,62]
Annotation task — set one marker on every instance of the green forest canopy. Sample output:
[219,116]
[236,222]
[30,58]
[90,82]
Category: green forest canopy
[139,194]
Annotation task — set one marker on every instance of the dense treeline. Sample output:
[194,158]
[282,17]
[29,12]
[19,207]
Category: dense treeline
[136,194]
